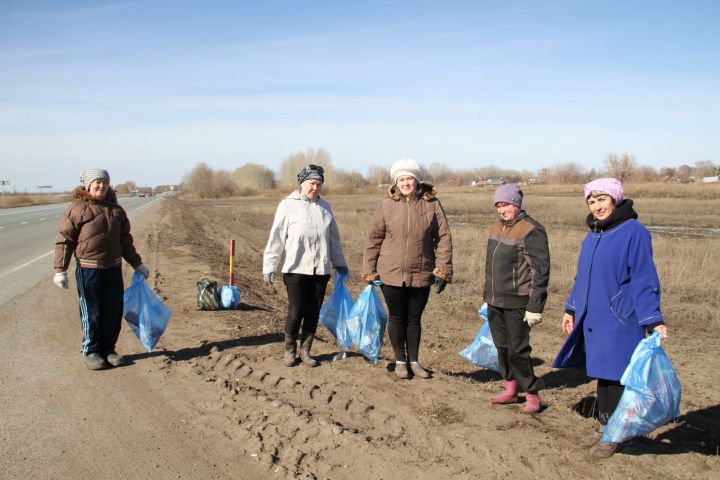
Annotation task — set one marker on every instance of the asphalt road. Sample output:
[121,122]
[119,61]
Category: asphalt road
[27,236]
[59,420]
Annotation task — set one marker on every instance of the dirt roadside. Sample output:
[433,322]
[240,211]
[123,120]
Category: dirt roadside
[214,401]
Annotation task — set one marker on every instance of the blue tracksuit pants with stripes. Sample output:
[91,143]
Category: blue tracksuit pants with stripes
[101,307]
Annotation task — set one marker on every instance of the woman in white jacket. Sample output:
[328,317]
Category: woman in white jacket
[305,232]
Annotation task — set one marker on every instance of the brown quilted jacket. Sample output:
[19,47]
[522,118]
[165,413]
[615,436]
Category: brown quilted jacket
[96,232]
[409,240]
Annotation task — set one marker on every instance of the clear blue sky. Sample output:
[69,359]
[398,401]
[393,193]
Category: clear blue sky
[147,89]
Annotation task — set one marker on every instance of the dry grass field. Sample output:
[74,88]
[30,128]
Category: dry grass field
[352,419]
[25,200]
[685,231]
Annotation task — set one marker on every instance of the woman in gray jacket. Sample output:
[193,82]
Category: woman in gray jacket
[305,233]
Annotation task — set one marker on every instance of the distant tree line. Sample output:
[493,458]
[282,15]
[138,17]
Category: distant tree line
[252,178]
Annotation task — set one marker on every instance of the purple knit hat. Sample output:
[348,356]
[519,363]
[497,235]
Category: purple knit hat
[509,193]
[611,186]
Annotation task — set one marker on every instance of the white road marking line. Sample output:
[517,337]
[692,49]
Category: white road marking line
[26,264]
[52,251]
[32,210]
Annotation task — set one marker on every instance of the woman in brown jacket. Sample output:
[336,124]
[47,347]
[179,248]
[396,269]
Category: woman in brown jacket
[96,231]
[408,248]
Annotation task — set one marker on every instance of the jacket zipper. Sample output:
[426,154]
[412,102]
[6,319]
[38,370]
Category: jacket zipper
[492,266]
[407,239]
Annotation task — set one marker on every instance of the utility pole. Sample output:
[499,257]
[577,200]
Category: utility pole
[2,185]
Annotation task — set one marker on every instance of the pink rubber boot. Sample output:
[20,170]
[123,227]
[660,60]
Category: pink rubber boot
[532,403]
[509,395]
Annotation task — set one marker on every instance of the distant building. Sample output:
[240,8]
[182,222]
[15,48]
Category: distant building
[489,181]
[715,179]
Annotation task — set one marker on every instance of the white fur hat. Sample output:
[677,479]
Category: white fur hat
[407,166]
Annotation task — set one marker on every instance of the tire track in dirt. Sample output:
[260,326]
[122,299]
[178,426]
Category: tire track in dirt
[344,419]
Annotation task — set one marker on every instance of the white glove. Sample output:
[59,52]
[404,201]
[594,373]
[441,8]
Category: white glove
[269,278]
[143,270]
[61,280]
[533,319]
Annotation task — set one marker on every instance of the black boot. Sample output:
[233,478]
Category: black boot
[290,351]
[307,340]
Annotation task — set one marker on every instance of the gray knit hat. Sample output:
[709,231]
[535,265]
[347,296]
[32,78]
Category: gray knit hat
[90,175]
[509,193]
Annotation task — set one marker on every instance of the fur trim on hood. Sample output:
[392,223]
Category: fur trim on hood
[426,191]
[81,194]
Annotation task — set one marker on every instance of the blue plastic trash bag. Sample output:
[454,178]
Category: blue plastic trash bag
[146,314]
[482,351]
[334,313]
[229,297]
[367,323]
[651,397]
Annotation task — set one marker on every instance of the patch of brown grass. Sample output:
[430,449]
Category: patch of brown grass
[439,413]
[26,200]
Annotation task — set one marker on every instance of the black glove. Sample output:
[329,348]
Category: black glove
[439,285]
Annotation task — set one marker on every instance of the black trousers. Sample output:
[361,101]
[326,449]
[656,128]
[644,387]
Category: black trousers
[608,395]
[405,308]
[511,336]
[101,307]
[305,297]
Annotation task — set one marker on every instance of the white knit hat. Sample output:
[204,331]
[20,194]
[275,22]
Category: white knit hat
[92,174]
[407,166]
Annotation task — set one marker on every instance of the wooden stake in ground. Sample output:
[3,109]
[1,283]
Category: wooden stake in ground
[231,281]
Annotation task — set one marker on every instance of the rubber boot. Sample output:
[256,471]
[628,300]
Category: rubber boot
[290,351]
[401,370]
[604,449]
[509,395]
[532,403]
[418,370]
[590,439]
[307,341]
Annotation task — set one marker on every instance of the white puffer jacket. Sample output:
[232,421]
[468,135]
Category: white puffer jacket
[305,232]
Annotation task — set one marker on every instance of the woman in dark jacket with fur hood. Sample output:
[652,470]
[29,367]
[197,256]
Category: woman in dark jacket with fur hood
[95,229]
[408,248]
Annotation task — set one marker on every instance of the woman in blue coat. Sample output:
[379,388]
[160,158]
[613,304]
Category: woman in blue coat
[615,300]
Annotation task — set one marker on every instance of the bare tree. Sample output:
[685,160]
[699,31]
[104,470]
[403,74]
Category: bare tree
[252,177]
[705,168]
[126,187]
[207,183]
[439,173]
[621,166]
[567,173]
[667,174]
[294,162]
[684,172]
[485,173]
[378,175]
[348,179]
[646,173]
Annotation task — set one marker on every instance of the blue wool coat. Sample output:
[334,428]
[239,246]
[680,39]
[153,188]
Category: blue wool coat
[616,294]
